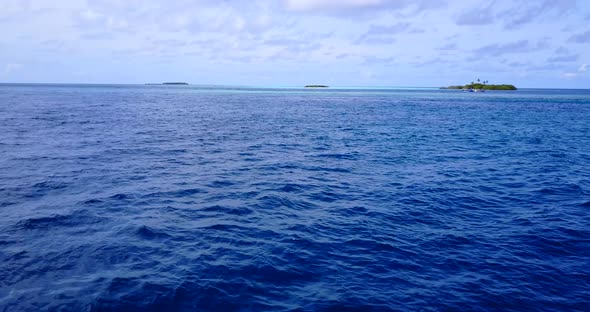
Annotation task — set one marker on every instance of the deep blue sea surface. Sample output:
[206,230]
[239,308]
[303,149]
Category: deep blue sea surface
[153,198]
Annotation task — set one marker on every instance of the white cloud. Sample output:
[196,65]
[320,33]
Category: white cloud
[312,5]
[90,15]
[360,8]
[12,67]
[273,37]
[581,70]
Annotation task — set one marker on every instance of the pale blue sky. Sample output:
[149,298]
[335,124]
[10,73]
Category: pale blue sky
[543,43]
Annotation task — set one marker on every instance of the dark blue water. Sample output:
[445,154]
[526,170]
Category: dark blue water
[133,198]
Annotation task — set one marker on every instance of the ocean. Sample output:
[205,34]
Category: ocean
[205,198]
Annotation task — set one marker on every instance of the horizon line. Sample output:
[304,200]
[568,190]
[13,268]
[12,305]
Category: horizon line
[154,84]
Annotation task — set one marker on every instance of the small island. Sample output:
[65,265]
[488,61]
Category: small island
[316,86]
[483,85]
[176,83]
[168,84]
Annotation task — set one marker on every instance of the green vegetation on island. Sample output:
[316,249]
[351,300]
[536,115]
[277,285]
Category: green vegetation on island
[483,85]
[316,86]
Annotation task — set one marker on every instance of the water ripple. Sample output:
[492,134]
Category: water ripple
[197,199]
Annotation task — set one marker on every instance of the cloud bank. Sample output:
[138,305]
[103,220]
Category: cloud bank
[340,42]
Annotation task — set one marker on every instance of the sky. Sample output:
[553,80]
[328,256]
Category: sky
[429,43]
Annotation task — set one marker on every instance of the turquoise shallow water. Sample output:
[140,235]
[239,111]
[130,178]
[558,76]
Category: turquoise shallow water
[155,198]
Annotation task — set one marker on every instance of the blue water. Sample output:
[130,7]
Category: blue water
[151,198]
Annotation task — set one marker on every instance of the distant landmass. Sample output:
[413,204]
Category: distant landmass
[316,86]
[483,85]
[505,87]
[168,83]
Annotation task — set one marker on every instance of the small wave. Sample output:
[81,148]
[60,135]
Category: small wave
[349,156]
[43,222]
[329,197]
[221,184]
[147,232]
[363,244]
[352,211]
[176,194]
[57,220]
[567,189]
[294,188]
[122,197]
[93,201]
[330,169]
[226,227]
[6,204]
[44,188]
[270,201]
[50,185]
[238,211]
[275,276]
